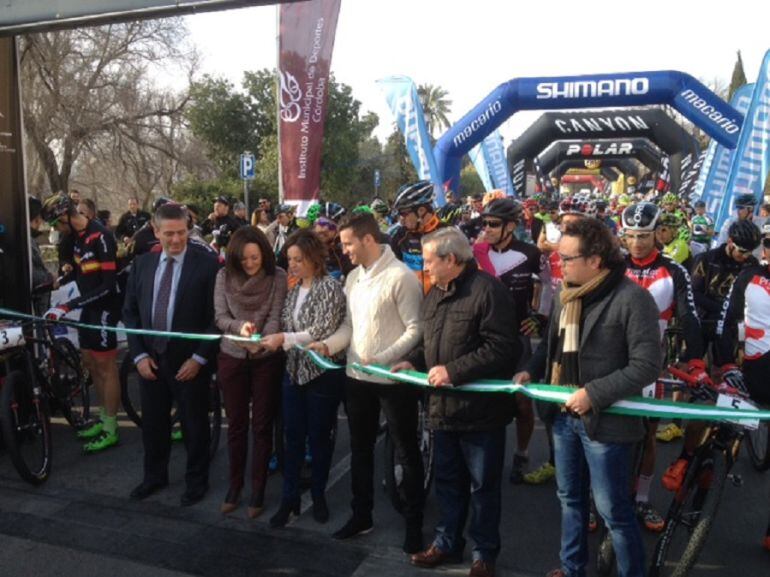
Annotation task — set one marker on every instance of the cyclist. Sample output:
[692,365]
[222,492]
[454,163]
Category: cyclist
[702,229]
[669,284]
[414,205]
[94,251]
[516,263]
[744,210]
[381,211]
[667,234]
[715,271]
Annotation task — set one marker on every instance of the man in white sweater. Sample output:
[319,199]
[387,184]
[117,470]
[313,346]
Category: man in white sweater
[382,326]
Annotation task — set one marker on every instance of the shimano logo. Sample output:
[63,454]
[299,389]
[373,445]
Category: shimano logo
[593,88]
[490,112]
[702,106]
[598,149]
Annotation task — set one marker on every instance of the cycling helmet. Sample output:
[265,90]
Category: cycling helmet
[160,201]
[333,211]
[571,206]
[449,213]
[642,217]
[411,196]
[669,198]
[745,234]
[313,213]
[505,209]
[699,204]
[379,206]
[668,219]
[495,194]
[745,200]
[364,209]
[284,208]
[624,200]
[57,206]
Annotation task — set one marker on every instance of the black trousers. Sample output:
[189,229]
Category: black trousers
[399,403]
[192,406]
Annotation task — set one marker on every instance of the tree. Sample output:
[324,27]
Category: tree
[86,88]
[436,107]
[398,169]
[738,78]
[470,181]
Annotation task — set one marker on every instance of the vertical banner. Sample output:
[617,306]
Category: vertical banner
[404,104]
[494,155]
[15,280]
[712,183]
[752,155]
[690,176]
[305,44]
[480,164]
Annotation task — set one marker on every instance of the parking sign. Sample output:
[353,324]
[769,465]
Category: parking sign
[247,166]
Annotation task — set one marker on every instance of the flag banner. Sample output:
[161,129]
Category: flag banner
[691,176]
[712,184]
[751,160]
[494,156]
[305,44]
[404,104]
[480,164]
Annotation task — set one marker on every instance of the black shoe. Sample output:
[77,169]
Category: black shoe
[283,514]
[413,542]
[192,496]
[320,509]
[353,528]
[517,470]
[144,490]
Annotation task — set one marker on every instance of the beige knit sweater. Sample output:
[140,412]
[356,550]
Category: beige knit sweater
[383,320]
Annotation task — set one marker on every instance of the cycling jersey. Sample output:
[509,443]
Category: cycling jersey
[748,304]
[94,254]
[678,250]
[407,246]
[669,284]
[713,275]
[706,223]
[516,267]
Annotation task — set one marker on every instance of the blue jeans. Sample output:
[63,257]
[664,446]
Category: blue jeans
[582,464]
[469,469]
[310,410]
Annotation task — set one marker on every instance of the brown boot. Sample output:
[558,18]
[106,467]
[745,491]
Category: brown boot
[433,557]
[231,501]
[482,569]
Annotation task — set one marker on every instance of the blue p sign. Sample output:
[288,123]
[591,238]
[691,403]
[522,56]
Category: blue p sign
[247,166]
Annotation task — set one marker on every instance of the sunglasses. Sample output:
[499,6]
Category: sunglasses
[491,223]
[742,250]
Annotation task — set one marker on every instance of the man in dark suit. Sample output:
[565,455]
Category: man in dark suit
[173,291]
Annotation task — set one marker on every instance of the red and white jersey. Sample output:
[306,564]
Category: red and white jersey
[748,304]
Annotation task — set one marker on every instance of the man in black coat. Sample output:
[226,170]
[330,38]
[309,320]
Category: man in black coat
[173,291]
[469,334]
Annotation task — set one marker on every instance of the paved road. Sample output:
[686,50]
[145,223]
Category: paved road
[81,523]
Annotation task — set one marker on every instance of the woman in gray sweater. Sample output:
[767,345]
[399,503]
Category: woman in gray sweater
[314,309]
[249,294]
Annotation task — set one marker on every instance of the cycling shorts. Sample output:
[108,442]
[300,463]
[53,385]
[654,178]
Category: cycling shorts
[96,340]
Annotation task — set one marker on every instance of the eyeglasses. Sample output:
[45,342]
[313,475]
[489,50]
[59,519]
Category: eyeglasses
[742,250]
[564,258]
[491,223]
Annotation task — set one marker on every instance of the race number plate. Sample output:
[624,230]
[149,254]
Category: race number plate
[730,402]
[11,337]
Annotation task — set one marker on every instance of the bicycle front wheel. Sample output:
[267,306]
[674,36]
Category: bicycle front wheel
[758,444]
[70,383]
[26,426]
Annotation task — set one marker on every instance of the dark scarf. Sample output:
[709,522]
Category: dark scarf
[565,369]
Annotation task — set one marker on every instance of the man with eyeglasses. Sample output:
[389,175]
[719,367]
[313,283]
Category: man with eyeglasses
[669,284]
[516,264]
[748,304]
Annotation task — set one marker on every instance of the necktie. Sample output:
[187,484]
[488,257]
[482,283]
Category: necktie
[160,316]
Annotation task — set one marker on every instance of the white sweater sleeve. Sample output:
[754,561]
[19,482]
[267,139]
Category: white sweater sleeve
[407,291]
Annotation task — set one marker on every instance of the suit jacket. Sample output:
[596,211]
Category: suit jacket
[193,308]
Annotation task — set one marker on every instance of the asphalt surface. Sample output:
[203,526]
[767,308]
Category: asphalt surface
[81,523]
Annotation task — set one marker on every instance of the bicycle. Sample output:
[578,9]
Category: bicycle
[41,374]
[695,504]
[129,396]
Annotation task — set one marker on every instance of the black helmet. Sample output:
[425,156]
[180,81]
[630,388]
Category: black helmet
[642,217]
[333,211]
[505,209]
[412,196]
[35,207]
[745,200]
[699,204]
[450,213]
[745,234]
[160,202]
[284,208]
[57,206]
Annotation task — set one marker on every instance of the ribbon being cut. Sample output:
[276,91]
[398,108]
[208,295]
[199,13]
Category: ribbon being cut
[636,406]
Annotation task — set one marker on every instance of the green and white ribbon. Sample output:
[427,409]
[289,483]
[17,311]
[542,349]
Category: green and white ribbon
[144,332]
[632,406]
